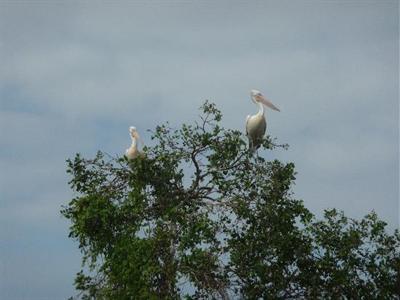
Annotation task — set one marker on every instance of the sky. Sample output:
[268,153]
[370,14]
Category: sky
[75,75]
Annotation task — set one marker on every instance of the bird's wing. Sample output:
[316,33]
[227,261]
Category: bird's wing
[247,121]
[263,127]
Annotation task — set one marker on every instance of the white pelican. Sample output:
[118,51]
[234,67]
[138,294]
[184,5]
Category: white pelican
[256,124]
[133,151]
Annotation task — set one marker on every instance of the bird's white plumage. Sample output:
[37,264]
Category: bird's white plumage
[256,124]
[132,152]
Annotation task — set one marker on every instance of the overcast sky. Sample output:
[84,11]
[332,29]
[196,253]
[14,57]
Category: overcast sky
[75,75]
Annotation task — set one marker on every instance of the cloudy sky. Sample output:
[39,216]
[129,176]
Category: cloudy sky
[75,75]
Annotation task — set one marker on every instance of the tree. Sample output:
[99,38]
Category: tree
[198,216]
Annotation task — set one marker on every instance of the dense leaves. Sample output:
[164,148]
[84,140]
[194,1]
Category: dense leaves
[199,216]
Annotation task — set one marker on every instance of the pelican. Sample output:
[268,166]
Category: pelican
[133,151]
[256,124]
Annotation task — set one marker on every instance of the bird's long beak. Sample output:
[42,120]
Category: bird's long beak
[266,102]
[141,141]
[136,135]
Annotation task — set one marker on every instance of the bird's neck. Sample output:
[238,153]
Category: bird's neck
[260,109]
[134,143]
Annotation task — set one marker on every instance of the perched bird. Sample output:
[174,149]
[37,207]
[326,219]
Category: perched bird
[256,124]
[133,151]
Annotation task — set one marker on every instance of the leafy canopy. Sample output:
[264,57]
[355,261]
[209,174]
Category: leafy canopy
[198,216]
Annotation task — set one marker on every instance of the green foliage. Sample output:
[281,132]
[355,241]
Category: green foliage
[198,216]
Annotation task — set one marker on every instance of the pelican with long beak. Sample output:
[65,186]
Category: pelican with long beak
[133,151]
[256,124]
